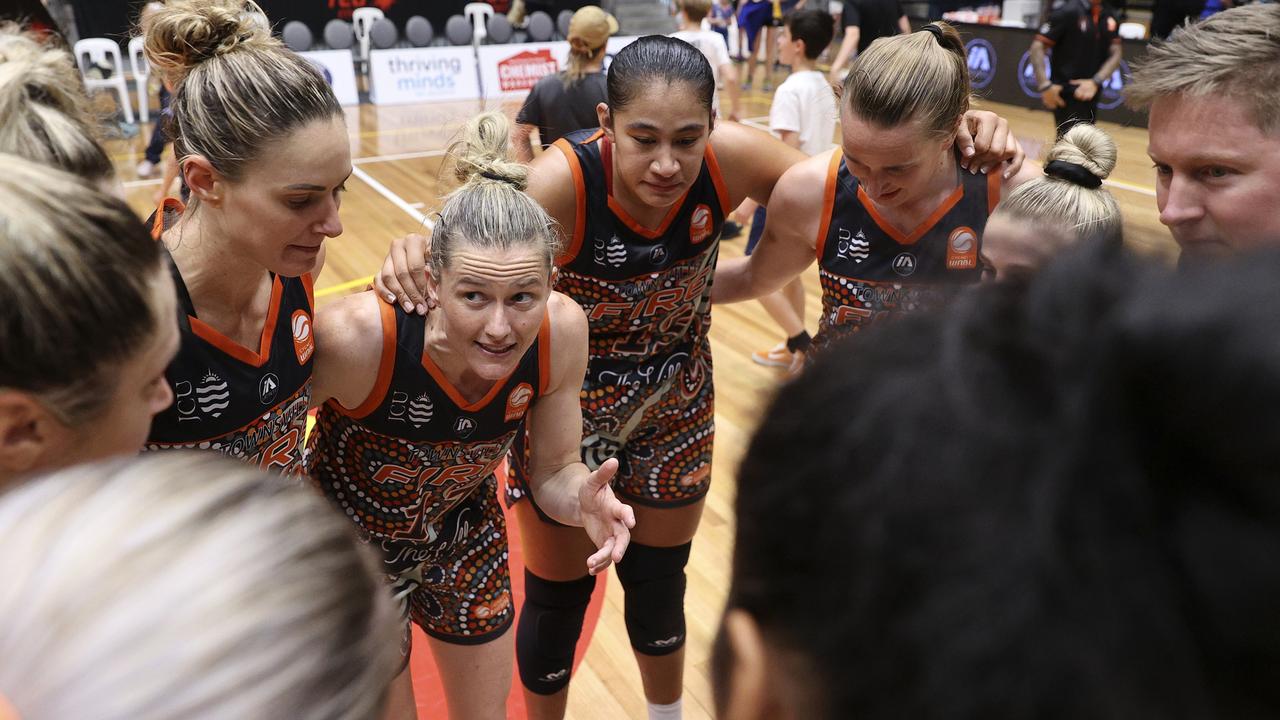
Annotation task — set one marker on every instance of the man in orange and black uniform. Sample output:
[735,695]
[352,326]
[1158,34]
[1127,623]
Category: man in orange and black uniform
[1084,36]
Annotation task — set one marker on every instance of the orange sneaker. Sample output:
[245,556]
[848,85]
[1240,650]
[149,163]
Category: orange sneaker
[777,356]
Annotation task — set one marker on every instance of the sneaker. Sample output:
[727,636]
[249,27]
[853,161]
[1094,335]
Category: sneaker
[768,85]
[146,169]
[730,230]
[777,356]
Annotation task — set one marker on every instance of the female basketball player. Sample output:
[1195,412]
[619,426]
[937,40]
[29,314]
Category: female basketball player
[641,202]
[1064,205]
[44,113]
[899,221]
[185,585]
[264,150]
[78,380]
[423,411]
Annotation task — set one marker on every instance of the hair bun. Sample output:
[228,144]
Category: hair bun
[185,33]
[481,153]
[1087,146]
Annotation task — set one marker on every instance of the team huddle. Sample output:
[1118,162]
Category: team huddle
[546,345]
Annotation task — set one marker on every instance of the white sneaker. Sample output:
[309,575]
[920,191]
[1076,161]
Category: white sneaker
[146,169]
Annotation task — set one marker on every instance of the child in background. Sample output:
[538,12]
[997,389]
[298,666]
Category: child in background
[803,115]
[721,18]
[714,48]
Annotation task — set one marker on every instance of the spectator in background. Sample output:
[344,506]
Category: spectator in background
[1085,39]
[1049,500]
[714,48]
[159,135]
[721,18]
[1213,92]
[566,101]
[865,21]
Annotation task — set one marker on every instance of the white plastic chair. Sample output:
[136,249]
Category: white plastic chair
[1133,30]
[101,51]
[363,19]
[141,77]
[478,13]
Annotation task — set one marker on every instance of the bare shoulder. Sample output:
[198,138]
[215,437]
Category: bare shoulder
[349,322]
[800,186]
[568,326]
[751,160]
[552,184]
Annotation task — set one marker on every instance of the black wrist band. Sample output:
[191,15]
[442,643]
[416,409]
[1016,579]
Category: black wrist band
[800,342]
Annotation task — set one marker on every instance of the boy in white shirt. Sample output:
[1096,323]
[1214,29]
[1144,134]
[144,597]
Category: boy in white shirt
[713,45]
[803,115]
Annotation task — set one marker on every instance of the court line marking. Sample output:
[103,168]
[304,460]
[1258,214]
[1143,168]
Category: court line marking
[343,287]
[395,199]
[1131,188]
[368,160]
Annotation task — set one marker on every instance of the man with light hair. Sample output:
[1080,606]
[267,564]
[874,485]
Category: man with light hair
[1213,91]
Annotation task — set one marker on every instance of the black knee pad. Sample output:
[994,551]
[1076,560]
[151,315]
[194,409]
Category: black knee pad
[654,580]
[550,623]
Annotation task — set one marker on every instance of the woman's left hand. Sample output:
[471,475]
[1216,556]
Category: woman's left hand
[986,143]
[607,521]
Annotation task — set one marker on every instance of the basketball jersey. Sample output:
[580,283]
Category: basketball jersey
[248,403]
[416,448]
[646,293]
[869,269]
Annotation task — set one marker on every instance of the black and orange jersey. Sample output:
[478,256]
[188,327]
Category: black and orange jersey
[248,403]
[415,448]
[868,268]
[646,292]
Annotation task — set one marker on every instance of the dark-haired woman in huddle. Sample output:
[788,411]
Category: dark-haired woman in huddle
[640,202]
[898,225]
[262,144]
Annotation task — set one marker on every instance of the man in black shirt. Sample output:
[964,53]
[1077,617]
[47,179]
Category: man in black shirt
[864,21]
[1084,36]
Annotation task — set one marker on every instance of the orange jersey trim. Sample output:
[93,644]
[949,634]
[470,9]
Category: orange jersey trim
[215,338]
[157,223]
[438,375]
[580,194]
[829,200]
[386,366]
[309,283]
[717,178]
[544,354]
[922,228]
[995,184]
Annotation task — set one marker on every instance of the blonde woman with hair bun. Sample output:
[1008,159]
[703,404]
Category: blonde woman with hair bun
[44,112]
[262,145]
[79,379]
[422,410]
[898,225]
[1063,206]
[186,586]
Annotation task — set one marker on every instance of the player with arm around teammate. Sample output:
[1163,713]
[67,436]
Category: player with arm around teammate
[898,223]
[422,410]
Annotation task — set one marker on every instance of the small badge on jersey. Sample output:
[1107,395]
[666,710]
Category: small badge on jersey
[464,427]
[962,249]
[268,386]
[304,343]
[904,264]
[700,224]
[518,401]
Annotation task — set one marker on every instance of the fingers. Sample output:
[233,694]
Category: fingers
[983,136]
[999,143]
[386,284]
[601,558]
[604,474]
[1018,157]
[964,141]
[620,547]
[409,294]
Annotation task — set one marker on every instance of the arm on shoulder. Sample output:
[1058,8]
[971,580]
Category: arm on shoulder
[348,334]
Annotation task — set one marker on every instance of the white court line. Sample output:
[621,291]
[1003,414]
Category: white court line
[398,156]
[1131,188]
[395,199]
[750,122]
[141,183]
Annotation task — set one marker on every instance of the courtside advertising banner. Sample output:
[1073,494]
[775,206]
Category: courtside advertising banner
[422,75]
[338,67]
[515,69]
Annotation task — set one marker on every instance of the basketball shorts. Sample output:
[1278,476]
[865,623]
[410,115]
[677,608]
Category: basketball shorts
[459,589]
[751,18]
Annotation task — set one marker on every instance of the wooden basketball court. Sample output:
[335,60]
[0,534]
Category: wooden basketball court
[398,152]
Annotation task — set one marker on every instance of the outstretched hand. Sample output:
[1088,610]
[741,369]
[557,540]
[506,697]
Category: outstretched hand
[986,144]
[607,521]
[403,279]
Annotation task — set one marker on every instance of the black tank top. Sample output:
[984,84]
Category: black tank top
[869,269]
[415,448]
[248,403]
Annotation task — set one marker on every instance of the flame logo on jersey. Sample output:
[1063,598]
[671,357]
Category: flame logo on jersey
[518,401]
[700,224]
[420,410]
[304,343]
[213,395]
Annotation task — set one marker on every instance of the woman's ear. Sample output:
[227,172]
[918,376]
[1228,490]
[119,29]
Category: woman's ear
[751,691]
[606,120]
[205,182]
[28,434]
